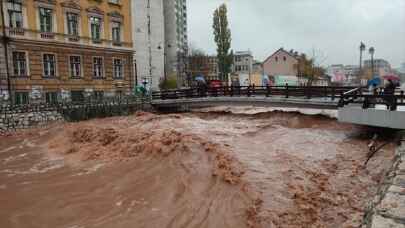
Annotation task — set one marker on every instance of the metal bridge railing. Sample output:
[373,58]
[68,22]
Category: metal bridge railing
[380,96]
[248,91]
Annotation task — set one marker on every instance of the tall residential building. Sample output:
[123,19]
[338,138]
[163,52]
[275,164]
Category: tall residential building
[149,38]
[68,49]
[175,16]
[160,37]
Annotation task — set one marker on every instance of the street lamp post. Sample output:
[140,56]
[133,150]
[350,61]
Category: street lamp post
[362,49]
[372,51]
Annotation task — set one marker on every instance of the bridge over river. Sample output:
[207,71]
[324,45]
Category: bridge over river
[354,105]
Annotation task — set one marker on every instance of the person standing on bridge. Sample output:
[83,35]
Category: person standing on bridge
[389,92]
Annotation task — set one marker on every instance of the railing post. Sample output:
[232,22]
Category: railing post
[231,92]
[268,92]
[248,91]
[366,103]
[393,102]
[286,90]
[341,100]
[402,97]
[253,89]
[333,93]
[325,92]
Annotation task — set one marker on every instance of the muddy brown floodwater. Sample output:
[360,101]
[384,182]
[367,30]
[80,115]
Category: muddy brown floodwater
[203,169]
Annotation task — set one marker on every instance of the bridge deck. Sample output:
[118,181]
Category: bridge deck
[379,116]
[261,101]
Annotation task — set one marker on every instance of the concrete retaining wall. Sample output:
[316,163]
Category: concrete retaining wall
[387,210]
[372,117]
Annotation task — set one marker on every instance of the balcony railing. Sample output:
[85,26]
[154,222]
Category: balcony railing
[47,35]
[16,32]
[64,38]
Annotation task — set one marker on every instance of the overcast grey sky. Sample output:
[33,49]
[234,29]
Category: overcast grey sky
[335,27]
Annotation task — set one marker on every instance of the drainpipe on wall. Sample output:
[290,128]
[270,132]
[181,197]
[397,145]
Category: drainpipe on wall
[5,41]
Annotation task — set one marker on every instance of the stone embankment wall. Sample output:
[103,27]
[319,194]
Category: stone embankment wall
[24,120]
[388,208]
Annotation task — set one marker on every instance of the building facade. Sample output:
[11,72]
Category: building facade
[68,49]
[352,73]
[160,41]
[149,41]
[336,72]
[176,39]
[281,62]
[381,67]
[242,62]
[203,65]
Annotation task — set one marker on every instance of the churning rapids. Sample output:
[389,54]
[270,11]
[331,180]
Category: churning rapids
[202,169]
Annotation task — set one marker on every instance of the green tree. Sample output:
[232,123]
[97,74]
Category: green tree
[307,68]
[222,35]
[169,83]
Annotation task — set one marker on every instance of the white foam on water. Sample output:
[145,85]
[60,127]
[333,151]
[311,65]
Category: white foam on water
[13,158]
[90,170]
[8,149]
[41,167]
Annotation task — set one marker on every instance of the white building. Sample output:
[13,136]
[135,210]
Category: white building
[336,73]
[160,39]
[148,37]
[402,68]
[175,16]
[242,62]
[352,74]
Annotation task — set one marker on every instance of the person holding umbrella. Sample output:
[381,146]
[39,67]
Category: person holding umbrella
[389,92]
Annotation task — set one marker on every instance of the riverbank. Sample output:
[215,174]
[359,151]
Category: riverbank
[388,207]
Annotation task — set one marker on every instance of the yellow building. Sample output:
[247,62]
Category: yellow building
[69,49]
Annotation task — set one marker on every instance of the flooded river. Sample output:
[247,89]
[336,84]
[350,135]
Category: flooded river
[213,168]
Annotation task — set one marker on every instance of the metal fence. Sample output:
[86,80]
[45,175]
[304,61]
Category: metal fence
[369,99]
[247,91]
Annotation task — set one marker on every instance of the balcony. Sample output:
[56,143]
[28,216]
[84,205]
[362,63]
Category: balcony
[72,38]
[47,35]
[16,31]
[96,41]
[116,43]
[18,76]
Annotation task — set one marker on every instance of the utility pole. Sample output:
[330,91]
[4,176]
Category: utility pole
[5,45]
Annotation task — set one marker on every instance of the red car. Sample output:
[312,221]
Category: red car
[215,84]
